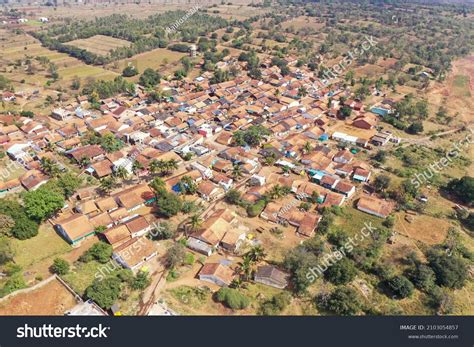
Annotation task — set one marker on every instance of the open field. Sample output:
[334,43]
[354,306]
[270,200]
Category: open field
[156,59]
[455,93]
[99,44]
[235,11]
[50,298]
[423,228]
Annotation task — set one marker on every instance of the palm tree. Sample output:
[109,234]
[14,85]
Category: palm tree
[256,254]
[154,166]
[285,169]
[236,172]
[50,167]
[302,91]
[169,166]
[278,191]
[195,222]
[121,172]
[136,168]
[107,184]
[84,161]
[157,184]
[307,147]
[246,268]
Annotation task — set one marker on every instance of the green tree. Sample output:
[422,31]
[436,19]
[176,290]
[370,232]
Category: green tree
[400,286]
[130,71]
[7,252]
[450,272]
[342,301]
[6,225]
[68,183]
[141,281]
[232,298]
[60,266]
[100,251]
[381,183]
[463,189]
[106,292]
[175,255]
[233,196]
[168,204]
[42,203]
[341,272]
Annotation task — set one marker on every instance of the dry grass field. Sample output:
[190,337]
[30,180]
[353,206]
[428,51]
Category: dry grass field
[49,299]
[99,44]
[158,59]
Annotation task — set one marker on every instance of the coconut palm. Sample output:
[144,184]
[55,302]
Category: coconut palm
[237,172]
[302,92]
[256,254]
[285,169]
[84,161]
[307,147]
[157,184]
[50,167]
[169,166]
[195,222]
[121,172]
[136,168]
[107,184]
[154,166]
[278,191]
[246,268]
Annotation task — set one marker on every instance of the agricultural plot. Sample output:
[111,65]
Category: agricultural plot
[155,59]
[99,44]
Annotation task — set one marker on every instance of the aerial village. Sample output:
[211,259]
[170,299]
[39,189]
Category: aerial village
[278,146]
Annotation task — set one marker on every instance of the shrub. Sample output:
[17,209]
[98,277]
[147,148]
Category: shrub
[60,266]
[100,251]
[104,292]
[341,272]
[450,272]
[141,281]
[255,209]
[232,298]
[400,286]
[342,301]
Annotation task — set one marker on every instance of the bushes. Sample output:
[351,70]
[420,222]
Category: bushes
[343,301]
[400,286]
[341,272]
[232,298]
[100,252]
[104,292]
[463,188]
[450,272]
[14,283]
[141,281]
[277,304]
[24,228]
[257,208]
[60,266]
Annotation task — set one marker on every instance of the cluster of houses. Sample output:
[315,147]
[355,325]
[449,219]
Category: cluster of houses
[194,127]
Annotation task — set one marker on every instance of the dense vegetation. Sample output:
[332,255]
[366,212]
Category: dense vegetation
[144,34]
